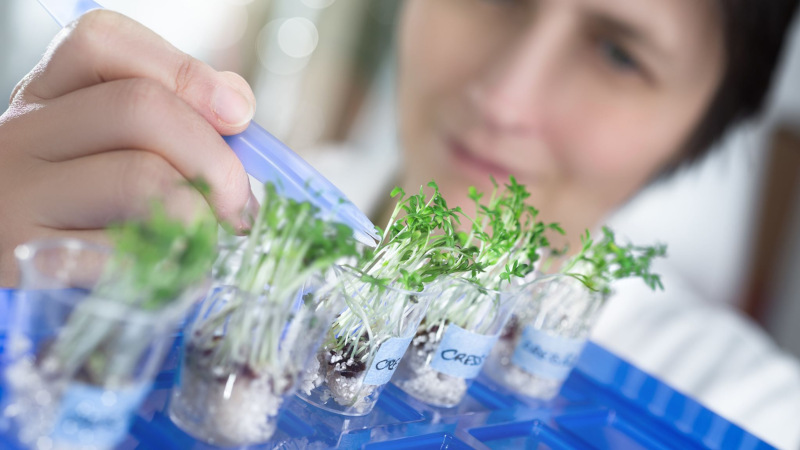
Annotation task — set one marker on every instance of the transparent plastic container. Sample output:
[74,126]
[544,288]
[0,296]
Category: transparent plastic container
[242,357]
[348,375]
[79,364]
[544,338]
[453,342]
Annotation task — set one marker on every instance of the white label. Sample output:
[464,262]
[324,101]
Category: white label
[386,360]
[461,353]
[546,355]
[95,416]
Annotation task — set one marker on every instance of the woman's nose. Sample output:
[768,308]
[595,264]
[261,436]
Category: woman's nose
[516,94]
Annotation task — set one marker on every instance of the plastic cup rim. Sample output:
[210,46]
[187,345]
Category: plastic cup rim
[107,309]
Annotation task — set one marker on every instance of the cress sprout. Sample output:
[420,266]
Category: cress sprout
[505,240]
[153,263]
[600,262]
[252,338]
[288,245]
[419,246]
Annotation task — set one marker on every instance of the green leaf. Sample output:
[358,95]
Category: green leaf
[397,191]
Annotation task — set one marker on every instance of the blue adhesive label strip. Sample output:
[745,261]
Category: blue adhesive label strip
[95,416]
[386,360]
[461,353]
[546,355]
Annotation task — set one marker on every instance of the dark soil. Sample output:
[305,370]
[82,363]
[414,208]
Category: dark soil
[357,367]
[511,330]
[198,360]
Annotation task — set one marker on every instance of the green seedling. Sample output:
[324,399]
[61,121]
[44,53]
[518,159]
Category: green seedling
[287,246]
[419,246]
[506,241]
[153,265]
[600,262]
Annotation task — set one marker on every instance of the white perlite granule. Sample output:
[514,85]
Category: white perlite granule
[416,377]
[346,391]
[36,400]
[37,404]
[314,375]
[560,308]
[350,392]
[239,411]
[323,381]
[500,369]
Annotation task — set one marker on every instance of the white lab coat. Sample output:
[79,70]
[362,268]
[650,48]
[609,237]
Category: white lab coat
[709,352]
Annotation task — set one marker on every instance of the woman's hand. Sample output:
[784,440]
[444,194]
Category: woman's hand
[112,117]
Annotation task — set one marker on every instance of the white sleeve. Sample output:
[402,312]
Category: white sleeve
[708,352]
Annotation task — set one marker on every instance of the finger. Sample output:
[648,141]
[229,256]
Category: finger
[111,187]
[141,114]
[105,46]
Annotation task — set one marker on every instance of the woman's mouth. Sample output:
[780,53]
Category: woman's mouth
[466,160]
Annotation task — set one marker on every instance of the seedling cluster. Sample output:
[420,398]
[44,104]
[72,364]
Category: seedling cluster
[561,310]
[156,260]
[505,240]
[276,298]
[250,342]
[105,327]
[599,263]
[419,246]
[288,246]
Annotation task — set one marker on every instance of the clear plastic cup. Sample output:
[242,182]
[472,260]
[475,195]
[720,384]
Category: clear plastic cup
[544,338]
[453,342]
[349,374]
[78,364]
[242,357]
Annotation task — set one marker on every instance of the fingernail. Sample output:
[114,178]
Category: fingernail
[249,214]
[231,107]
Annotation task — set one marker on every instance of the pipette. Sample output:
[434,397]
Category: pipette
[263,155]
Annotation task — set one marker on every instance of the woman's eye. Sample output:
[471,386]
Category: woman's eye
[618,56]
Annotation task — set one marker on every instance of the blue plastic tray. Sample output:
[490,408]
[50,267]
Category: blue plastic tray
[606,403]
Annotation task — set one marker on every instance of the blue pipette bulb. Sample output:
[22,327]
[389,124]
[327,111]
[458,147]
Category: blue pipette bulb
[264,156]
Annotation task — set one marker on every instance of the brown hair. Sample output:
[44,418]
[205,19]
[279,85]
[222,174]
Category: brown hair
[754,35]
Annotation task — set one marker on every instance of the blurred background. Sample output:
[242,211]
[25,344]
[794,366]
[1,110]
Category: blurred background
[322,71]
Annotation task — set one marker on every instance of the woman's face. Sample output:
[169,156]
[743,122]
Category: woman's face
[583,101]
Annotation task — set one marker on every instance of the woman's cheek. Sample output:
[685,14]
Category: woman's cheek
[622,141]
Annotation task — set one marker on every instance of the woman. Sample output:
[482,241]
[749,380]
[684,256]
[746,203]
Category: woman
[585,101]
